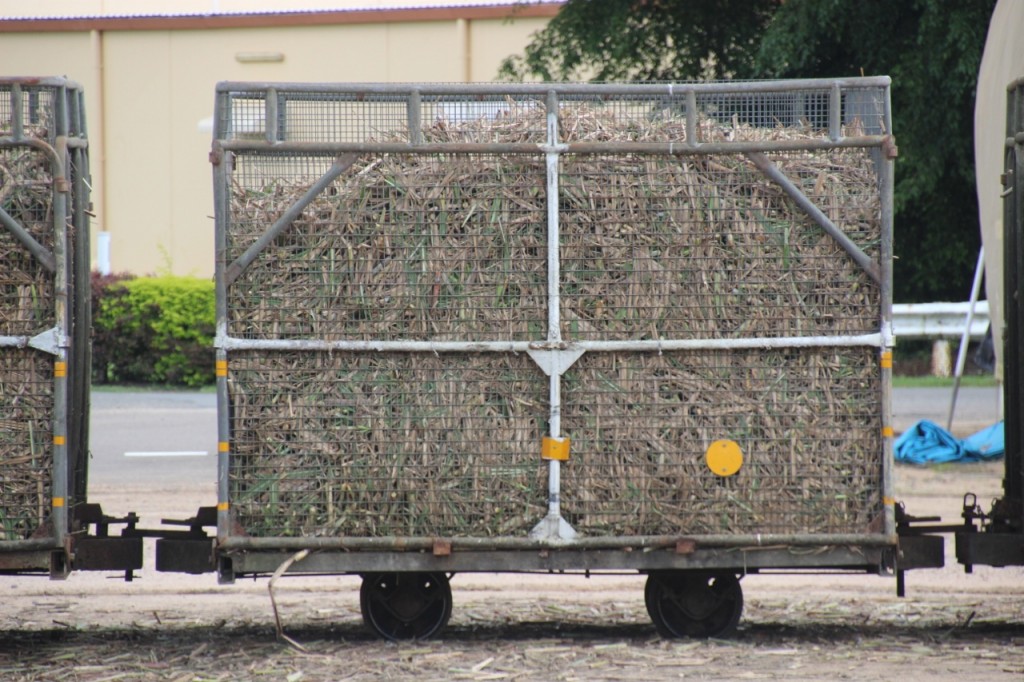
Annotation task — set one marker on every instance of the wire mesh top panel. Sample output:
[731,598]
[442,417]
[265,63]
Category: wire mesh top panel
[478,113]
[40,109]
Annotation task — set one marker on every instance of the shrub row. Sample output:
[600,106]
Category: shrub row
[152,330]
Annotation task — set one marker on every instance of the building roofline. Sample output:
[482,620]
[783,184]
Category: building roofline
[279,19]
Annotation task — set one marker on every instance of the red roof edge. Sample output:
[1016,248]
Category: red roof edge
[282,19]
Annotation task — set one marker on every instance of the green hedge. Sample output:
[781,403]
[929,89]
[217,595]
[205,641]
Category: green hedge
[153,330]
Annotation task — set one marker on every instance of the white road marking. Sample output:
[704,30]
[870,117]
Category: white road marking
[169,453]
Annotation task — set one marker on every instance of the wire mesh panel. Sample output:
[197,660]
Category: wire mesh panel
[706,247]
[26,435]
[418,283]
[386,444]
[399,247]
[807,421]
[26,195]
[43,241]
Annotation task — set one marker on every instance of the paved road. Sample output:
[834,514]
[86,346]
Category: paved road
[163,438]
[976,407]
[170,438]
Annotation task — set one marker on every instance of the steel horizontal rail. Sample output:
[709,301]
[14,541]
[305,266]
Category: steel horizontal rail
[354,90]
[939,320]
[650,345]
[14,341]
[647,542]
[32,81]
[28,545]
[680,148]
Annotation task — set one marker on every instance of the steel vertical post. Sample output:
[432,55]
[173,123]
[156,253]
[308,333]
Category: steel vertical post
[415,116]
[82,314]
[59,494]
[1013,306]
[221,161]
[554,301]
[885,186]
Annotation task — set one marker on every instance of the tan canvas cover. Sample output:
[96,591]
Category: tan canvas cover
[1002,63]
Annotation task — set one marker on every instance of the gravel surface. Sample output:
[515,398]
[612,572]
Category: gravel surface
[796,627]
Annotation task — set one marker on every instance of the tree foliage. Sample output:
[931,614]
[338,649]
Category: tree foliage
[605,40]
[930,48]
[153,330]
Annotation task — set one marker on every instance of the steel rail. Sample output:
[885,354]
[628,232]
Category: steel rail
[642,542]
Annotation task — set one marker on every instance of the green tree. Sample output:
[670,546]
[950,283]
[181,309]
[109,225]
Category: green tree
[153,330]
[930,48]
[606,40]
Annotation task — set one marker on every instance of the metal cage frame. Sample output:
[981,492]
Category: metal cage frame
[66,342]
[553,545]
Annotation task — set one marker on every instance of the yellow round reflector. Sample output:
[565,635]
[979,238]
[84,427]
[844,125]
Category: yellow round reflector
[724,457]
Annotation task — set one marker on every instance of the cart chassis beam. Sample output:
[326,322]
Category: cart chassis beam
[855,558]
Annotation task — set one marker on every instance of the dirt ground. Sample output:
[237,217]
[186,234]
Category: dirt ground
[97,628]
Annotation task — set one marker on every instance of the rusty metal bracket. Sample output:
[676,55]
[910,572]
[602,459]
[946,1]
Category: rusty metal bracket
[686,546]
[889,148]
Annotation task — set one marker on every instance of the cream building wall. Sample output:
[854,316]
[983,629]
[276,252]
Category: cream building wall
[150,93]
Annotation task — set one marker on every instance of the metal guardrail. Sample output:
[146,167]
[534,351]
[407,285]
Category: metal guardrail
[939,320]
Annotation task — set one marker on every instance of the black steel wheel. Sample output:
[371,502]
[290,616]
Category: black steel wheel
[693,603]
[406,606]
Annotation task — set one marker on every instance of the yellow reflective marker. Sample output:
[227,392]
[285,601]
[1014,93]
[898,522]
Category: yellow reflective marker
[889,501]
[724,457]
[58,440]
[58,502]
[555,448]
[222,506]
[222,446]
[887,432]
[887,359]
[222,368]
[60,369]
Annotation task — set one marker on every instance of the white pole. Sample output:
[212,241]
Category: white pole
[103,252]
[965,338]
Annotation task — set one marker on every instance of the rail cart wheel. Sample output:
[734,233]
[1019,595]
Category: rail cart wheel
[693,604]
[405,606]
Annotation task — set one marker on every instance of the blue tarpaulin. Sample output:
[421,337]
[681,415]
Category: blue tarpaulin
[928,443]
